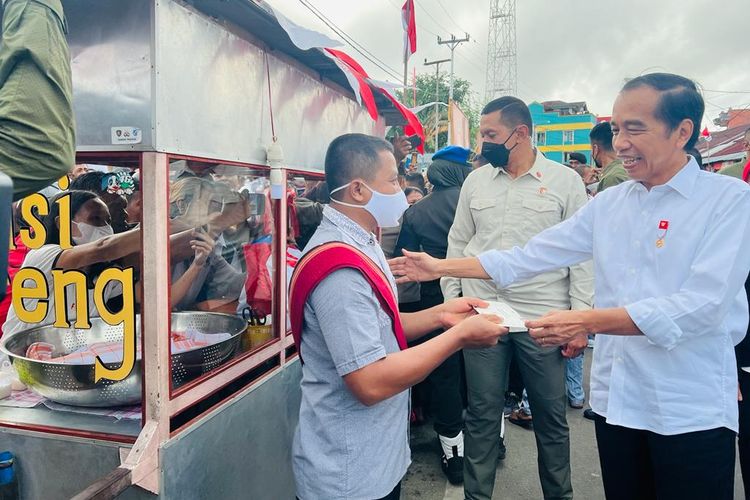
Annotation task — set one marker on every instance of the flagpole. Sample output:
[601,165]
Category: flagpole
[406,77]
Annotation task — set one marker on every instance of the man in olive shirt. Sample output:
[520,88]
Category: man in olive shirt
[502,205]
[604,157]
[37,129]
[737,169]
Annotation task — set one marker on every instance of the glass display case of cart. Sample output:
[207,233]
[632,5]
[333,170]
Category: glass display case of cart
[223,271]
[71,316]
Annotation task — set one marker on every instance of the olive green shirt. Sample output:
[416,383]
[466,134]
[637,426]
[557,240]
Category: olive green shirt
[612,175]
[496,211]
[37,127]
[734,170]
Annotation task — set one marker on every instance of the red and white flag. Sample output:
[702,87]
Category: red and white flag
[706,134]
[410,29]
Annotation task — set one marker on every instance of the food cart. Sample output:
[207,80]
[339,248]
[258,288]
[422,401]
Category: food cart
[161,85]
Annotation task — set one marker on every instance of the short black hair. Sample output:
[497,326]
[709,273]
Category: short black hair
[513,111]
[90,181]
[352,156]
[415,179]
[411,189]
[680,100]
[579,157]
[601,135]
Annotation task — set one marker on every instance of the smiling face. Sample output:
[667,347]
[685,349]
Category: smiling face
[649,150]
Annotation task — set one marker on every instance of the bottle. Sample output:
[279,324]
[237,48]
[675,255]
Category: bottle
[8,479]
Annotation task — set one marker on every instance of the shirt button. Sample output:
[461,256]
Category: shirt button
[632,270]
[637,243]
[643,213]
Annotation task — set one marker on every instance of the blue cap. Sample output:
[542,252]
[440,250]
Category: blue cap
[453,153]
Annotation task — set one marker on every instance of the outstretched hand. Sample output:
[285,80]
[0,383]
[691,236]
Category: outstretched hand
[415,266]
[481,330]
[453,311]
[558,328]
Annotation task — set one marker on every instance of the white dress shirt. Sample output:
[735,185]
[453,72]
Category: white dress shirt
[676,257]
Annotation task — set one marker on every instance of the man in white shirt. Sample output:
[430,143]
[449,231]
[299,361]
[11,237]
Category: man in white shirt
[670,250]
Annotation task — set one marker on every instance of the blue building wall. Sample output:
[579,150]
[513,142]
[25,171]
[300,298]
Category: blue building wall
[555,126]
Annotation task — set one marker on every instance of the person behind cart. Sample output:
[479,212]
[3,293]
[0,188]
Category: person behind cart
[195,201]
[95,247]
[352,437]
[112,188]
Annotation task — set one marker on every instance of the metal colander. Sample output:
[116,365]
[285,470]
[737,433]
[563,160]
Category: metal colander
[74,384]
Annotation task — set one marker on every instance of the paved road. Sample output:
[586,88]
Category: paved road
[517,477]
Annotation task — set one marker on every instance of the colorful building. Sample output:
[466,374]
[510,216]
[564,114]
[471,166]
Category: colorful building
[561,128]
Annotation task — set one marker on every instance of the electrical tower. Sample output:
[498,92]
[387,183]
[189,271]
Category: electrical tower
[501,50]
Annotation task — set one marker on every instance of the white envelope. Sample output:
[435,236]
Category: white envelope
[511,318]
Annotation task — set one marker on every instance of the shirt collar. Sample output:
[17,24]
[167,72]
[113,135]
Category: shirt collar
[683,182]
[347,225]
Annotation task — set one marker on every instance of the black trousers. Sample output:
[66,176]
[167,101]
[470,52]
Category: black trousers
[643,465]
[395,494]
[743,438]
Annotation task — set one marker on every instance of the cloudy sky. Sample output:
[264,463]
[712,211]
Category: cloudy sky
[567,49]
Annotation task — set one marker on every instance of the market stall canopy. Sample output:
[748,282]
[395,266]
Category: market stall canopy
[261,19]
[216,79]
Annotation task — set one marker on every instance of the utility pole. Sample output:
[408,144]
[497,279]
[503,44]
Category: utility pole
[437,93]
[453,42]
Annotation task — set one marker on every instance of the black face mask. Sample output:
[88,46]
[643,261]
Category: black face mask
[497,154]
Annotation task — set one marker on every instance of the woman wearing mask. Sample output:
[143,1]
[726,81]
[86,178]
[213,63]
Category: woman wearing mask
[95,246]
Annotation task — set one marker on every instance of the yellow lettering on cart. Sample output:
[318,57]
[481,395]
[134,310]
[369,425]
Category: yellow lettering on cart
[38,291]
[126,316]
[65,239]
[77,280]
[35,235]
[63,182]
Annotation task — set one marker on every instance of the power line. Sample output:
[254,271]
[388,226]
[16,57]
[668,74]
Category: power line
[450,17]
[351,41]
[430,16]
[728,91]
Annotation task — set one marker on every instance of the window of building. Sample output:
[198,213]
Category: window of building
[541,138]
[568,137]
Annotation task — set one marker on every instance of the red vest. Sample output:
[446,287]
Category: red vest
[321,261]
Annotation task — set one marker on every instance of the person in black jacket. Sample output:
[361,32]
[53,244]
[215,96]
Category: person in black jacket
[425,227]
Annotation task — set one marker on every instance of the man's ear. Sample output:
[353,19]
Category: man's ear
[358,191]
[523,132]
[57,222]
[684,132]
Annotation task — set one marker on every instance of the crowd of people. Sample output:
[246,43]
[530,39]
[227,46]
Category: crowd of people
[641,251]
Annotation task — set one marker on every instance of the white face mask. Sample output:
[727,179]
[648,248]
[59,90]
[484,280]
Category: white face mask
[386,208]
[91,233]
